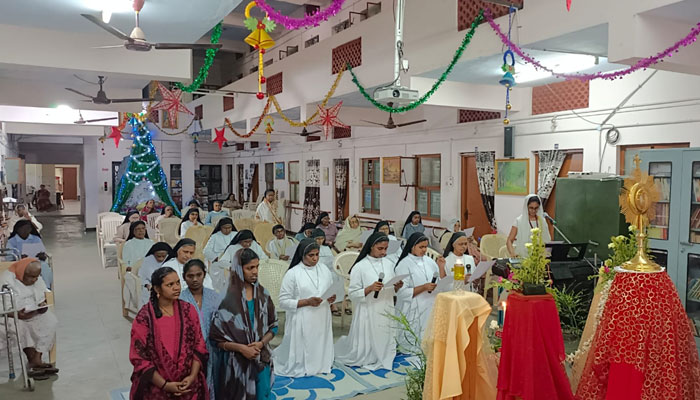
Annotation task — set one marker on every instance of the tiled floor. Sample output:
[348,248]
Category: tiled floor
[70,207]
[93,338]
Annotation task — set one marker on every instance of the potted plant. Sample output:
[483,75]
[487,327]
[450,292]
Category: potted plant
[529,279]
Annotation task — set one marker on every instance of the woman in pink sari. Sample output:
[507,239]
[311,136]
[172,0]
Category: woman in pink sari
[167,347]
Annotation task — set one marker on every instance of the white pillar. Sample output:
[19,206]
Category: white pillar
[90,185]
[187,167]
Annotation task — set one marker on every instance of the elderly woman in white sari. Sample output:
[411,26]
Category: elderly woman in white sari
[154,259]
[137,244]
[532,217]
[37,325]
[350,237]
[416,298]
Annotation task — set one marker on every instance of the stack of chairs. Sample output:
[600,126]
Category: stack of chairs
[106,229]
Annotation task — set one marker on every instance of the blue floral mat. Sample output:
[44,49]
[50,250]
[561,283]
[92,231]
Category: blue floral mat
[343,382]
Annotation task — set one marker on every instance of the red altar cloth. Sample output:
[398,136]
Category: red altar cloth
[533,351]
[643,347]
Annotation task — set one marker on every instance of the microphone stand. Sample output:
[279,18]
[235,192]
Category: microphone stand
[566,239]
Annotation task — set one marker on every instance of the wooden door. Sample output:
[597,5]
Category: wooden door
[473,212]
[255,185]
[70,183]
[572,163]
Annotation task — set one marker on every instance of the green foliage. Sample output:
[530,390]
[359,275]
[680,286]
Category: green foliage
[415,378]
[573,308]
[532,268]
[624,249]
[251,23]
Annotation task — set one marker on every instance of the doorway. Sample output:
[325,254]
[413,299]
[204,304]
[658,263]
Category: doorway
[472,207]
[254,188]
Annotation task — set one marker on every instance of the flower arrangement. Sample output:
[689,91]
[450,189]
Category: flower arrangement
[533,267]
[495,335]
[624,248]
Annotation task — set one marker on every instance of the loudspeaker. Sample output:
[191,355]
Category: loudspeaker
[508,142]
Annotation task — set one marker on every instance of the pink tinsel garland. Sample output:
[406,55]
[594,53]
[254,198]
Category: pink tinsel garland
[641,64]
[297,23]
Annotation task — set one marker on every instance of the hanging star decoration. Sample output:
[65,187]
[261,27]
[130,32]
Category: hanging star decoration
[116,135]
[328,118]
[171,102]
[220,139]
[568,5]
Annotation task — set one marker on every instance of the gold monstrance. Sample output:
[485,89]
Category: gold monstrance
[637,200]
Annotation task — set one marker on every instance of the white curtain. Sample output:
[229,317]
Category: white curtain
[550,164]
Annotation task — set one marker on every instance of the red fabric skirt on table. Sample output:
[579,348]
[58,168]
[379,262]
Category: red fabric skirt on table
[533,351]
[643,347]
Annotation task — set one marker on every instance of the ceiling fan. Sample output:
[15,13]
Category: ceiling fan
[82,121]
[102,98]
[390,123]
[304,132]
[137,39]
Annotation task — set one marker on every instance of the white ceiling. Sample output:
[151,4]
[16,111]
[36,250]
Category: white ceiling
[181,21]
[684,11]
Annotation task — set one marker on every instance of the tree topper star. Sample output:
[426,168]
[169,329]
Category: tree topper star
[328,118]
[220,139]
[171,102]
[116,135]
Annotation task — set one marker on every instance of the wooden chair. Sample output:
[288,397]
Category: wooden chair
[263,233]
[199,234]
[342,264]
[270,276]
[168,231]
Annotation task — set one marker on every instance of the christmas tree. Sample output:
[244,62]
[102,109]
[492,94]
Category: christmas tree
[143,170]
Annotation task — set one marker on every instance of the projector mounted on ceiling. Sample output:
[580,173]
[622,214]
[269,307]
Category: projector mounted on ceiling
[399,95]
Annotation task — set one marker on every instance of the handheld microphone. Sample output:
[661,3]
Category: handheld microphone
[435,276]
[381,278]
[552,220]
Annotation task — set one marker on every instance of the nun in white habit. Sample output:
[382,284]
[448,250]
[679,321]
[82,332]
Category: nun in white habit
[371,342]
[154,259]
[183,252]
[220,238]
[307,345]
[137,244]
[243,240]
[416,298]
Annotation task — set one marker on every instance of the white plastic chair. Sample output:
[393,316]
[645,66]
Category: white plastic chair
[342,264]
[270,274]
[168,230]
[433,254]
[108,229]
[151,221]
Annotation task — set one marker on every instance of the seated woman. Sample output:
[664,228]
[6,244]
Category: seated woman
[20,214]
[43,199]
[123,229]
[278,246]
[349,238]
[243,240]
[148,208]
[154,259]
[137,244]
[206,301]
[183,252]
[216,213]
[37,325]
[532,217]
[307,354]
[415,299]
[231,203]
[325,256]
[457,249]
[168,212]
[323,222]
[168,351]
[190,219]
[220,238]
[243,327]
[305,232]
[371,343]
[413,224]
[25,239]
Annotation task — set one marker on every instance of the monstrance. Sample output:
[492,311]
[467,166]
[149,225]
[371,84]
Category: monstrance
[637,200]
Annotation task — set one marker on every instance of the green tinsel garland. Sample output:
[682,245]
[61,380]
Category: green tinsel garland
[208,61]
[458,54]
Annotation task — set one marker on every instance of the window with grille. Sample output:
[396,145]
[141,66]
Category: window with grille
[428,189]
[311,41]
[293,171]
[348,53]
[210,177]
[371,175]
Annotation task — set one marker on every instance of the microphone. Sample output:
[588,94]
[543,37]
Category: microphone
[381,278]
[552,220]
[435,276]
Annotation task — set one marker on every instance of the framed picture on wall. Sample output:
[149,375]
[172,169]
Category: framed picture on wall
[279,170]
[513,176]
[391,169]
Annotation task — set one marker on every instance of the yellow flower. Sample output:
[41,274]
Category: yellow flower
[528,245]
[535,230]
[611,245]
[601,270]
[620,238]
[632,228]
[608,262]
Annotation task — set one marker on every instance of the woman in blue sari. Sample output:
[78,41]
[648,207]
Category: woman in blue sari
[243,327]
[206,301]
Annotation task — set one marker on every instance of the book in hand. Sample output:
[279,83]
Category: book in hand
[35,307]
